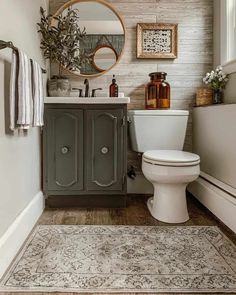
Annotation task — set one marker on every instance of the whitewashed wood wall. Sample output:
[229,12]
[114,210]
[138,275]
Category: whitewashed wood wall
[195,57]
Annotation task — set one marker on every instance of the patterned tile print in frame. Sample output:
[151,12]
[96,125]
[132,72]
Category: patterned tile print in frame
[157,40]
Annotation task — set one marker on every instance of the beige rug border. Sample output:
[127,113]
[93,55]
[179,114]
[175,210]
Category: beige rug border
[82,291]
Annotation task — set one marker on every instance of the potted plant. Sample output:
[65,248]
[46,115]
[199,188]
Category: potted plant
[217,80]
[61,37]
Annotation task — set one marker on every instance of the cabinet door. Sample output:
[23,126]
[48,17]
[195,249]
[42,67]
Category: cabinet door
[64,150]
[105,151]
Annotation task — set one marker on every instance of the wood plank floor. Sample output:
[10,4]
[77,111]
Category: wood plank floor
[136,213]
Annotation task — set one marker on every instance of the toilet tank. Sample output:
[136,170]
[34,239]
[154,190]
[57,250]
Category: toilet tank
[157,129]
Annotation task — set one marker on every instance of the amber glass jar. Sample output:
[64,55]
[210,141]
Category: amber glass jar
[158,92]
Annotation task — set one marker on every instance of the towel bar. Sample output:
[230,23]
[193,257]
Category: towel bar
[9,44]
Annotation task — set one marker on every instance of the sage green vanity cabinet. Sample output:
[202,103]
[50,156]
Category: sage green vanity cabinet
[85,155]
[64,150]
[105,132]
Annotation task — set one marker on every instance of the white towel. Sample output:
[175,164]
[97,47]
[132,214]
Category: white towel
[13,90]
[24,92]
[37,87]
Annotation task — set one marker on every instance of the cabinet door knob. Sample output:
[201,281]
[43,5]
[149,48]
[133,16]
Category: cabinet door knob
[104,150]
[64,150]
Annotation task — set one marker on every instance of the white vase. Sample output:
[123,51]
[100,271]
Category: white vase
[59,87]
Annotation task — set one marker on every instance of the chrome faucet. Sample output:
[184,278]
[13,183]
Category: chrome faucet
[86,83]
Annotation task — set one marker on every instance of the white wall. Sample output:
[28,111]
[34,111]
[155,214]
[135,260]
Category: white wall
[19,153]
[230,91]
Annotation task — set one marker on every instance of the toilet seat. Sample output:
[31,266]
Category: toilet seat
[171,158]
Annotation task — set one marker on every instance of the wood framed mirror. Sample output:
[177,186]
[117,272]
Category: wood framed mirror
[105,35]
[104,57]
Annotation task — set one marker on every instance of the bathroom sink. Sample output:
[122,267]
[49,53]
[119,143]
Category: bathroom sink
[88,100]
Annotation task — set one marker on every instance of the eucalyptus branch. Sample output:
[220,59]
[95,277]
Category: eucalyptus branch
[60,39]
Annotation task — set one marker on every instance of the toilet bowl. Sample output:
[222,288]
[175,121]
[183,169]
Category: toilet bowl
[160,136]
[170,172]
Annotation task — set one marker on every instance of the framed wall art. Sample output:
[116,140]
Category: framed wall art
[157,40]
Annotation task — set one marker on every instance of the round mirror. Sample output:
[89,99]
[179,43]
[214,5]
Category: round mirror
[103,42]
[104,58]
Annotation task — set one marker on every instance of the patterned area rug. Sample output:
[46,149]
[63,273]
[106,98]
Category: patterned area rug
[124,259]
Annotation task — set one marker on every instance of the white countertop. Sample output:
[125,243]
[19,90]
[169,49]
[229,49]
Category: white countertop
[88,100]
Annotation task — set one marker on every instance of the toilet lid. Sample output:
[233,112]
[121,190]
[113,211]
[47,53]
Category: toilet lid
[171,158]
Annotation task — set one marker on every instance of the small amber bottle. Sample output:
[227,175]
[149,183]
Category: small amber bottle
[158,92]
[151,94]
[114,89]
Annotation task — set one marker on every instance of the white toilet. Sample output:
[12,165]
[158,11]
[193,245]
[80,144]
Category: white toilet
[160,135]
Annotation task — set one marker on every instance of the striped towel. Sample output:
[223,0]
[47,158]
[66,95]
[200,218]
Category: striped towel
[26,92]
[20,92]
[37,88]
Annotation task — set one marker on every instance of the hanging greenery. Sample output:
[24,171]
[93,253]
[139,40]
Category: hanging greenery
[61,38]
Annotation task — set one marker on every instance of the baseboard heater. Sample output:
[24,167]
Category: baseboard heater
[218,197]
[219,184]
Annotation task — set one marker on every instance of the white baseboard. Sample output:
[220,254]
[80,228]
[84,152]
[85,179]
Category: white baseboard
[219,202]
[140,185]
[15,236]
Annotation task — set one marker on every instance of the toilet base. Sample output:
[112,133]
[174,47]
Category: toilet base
[169,203]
